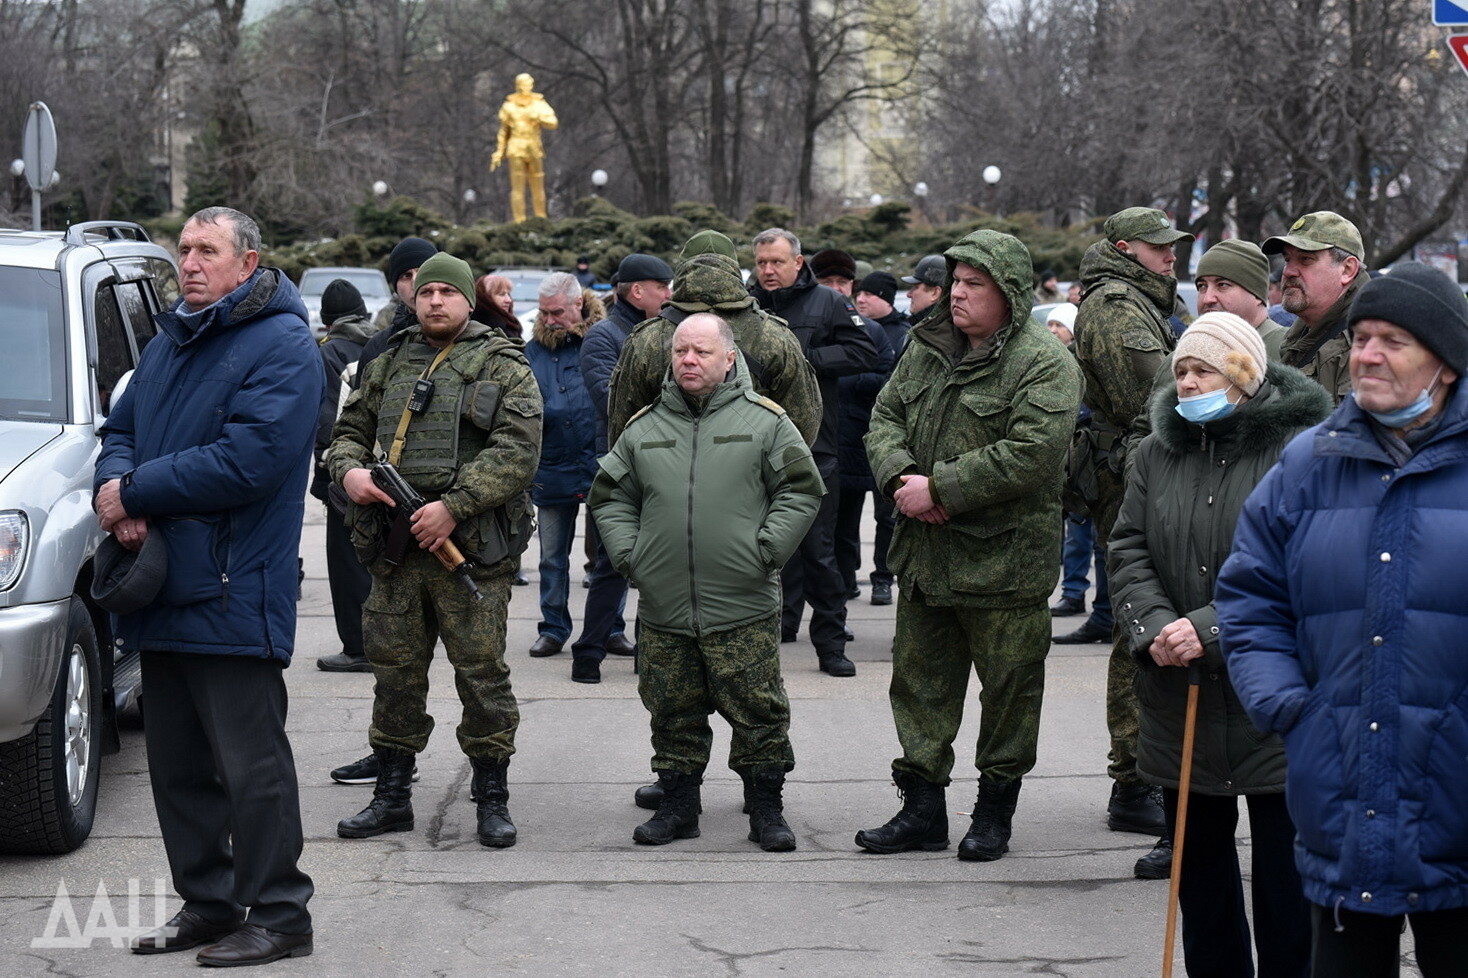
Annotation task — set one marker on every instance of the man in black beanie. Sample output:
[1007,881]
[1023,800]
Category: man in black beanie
[402,266]
[348,330]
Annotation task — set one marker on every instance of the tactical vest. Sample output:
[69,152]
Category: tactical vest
[438,436]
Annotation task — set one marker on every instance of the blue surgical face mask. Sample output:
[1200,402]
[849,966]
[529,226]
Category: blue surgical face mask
[1402,417]
[1202,408]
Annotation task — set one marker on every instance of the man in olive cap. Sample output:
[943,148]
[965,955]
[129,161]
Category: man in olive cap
[1233,276]
[1324,269]
[1123,338]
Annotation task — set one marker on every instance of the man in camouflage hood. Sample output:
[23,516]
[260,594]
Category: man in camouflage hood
[969,438]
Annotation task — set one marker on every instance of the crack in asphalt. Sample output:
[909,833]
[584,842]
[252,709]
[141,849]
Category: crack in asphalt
[733,960]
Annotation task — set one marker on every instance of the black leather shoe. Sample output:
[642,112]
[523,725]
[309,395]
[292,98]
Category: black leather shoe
[341,662]
[253,944]
[585,669]
[836,664]
[787,636]
[545,646]
[1135,808]
[1157,864]
[847,633]
[520,580]
[620,645]
[853,592]
[881,592]
[1088,633]
[187,929]
[1068,606]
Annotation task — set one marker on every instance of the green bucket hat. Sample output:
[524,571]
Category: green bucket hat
[447,269]
[1316,232]
[1142,224]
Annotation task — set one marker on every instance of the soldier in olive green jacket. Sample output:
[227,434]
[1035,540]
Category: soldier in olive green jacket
[701,503]
[969,438]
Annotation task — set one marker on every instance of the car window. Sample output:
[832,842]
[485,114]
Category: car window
[369,282]
[33,383]
[165,281]
[114,352]
[137,314]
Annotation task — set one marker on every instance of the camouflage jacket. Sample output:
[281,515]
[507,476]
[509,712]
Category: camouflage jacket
[1330,366]
[1123,336]
[712,283]
[990,428]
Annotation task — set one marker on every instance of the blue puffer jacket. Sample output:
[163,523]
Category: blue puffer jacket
[1343,620]
[212,440]
[568,438]
[599,352]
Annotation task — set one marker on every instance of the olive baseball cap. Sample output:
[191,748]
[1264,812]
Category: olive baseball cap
[707,242]
[1317,231]
[1142,224]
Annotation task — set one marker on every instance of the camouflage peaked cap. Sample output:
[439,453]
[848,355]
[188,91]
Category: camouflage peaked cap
[711,279]
[1316,232]
[1007,261]
[1142,224]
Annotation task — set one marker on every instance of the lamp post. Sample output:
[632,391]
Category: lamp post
[991,177]
[379,190]
[598,181]
[920,191]
[875,200]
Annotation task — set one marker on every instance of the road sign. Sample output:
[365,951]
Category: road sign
[38,146]
[1450,13]
[1458,44]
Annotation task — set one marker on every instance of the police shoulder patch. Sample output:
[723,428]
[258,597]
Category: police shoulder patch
[756,398]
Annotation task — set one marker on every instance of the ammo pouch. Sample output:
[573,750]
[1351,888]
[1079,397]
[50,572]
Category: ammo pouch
[488,538]
[1094,445]
[369,527]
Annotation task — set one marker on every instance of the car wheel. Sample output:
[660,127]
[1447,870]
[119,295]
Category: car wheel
[48,779]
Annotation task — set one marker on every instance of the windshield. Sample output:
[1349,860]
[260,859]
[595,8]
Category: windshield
[33,383]
[526,288]
[369,281]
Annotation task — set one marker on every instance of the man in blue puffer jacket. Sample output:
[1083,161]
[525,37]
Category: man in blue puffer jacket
[1342,618]
[209,448]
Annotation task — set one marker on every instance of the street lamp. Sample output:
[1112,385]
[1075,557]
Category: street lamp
[991,177]
[598,181]
[379,188]
[920,191]
[875,200]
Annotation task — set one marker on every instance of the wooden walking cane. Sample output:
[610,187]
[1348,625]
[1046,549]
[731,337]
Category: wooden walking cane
[1185,778]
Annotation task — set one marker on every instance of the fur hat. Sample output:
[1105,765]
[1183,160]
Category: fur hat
[1229,345]
[833,261]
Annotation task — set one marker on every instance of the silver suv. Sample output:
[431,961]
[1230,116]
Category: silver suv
[76,310]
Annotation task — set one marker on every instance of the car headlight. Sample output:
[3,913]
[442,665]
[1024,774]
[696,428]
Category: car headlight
[15,535]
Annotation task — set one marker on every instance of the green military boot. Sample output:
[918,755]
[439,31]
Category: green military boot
[391,808]
[922,823]
[762,790]
[677,814]
[988,835]
[491,800]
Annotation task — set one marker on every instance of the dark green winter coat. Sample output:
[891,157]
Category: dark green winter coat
[990,428]
[1174,532]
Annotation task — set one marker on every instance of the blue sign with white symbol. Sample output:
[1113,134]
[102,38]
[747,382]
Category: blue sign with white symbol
[1450,13]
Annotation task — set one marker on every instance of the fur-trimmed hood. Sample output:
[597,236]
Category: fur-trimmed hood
[1287,402]
[592,312]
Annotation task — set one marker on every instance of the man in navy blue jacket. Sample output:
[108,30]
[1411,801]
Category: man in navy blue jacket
[209,448]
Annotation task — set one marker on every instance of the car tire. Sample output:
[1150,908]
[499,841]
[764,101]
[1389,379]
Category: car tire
[48,779]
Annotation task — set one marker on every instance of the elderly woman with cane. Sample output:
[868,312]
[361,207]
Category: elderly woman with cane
[1214,437]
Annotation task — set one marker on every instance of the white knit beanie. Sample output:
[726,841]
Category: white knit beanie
[1229,345]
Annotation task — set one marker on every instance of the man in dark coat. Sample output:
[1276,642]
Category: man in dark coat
[836,343]
[209,448]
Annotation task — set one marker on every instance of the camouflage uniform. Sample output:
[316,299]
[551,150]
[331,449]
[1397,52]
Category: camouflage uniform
[712,283]
[989,427]
[1330,367]
[477,452]
[1123,341]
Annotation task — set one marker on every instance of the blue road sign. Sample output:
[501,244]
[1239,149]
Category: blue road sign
[1450,13]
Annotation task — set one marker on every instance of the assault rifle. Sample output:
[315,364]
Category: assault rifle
[400,536]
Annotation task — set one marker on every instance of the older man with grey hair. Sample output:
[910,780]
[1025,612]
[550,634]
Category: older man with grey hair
[837,344]
[567,452]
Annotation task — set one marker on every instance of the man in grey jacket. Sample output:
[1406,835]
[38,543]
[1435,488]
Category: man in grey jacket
[701,501]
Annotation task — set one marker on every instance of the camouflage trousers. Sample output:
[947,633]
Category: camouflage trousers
[683,678]
[406,613]
[1122,719]
[932,653]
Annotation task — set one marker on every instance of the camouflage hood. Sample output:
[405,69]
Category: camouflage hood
[1103,262]
[710,283]
[1004,258]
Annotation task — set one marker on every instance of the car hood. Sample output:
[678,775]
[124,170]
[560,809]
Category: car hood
[19,440]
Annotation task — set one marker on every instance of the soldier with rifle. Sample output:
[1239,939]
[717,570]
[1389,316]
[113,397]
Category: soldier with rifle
[454,408]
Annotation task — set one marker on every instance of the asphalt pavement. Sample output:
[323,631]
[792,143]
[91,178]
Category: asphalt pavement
[577,897]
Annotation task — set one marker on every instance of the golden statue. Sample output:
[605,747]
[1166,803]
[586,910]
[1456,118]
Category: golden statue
[523,115]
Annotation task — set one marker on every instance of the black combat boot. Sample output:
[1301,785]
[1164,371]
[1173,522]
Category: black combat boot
[649,796]
[762,801]
[491,800]
[1157,864]
[988,836]
[1135,808]
[677,814]
[391,808]
[921,824]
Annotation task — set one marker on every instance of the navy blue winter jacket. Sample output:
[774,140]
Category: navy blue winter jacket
[212,440]
[599,352]
[568,435]
[859,393]
[1342,617]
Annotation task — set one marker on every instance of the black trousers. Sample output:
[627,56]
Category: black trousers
[1369,946]
[224,785]
[603,608]
[349,582]
[853,497]
[812,577]
[1211,895]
